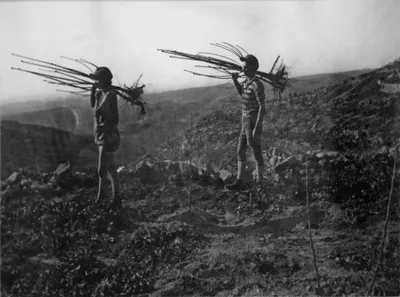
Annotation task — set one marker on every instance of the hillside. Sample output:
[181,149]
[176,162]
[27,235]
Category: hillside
[300,121]
[181,233]
[65,113]
[62,118]
[41,148]
[311,82]
[166,112]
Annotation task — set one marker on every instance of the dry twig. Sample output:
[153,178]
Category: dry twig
[277,77]
[76,79]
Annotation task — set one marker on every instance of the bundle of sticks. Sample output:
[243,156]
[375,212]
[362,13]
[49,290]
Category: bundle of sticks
[56,74]
[277,77]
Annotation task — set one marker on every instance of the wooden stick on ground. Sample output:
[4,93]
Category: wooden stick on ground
[310,232]
[385,226]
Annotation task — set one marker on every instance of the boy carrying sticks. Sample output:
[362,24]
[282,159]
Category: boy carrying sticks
[253,110]
[104,101]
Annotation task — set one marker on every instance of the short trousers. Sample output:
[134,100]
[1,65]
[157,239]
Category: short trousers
[248,124]
[109,137]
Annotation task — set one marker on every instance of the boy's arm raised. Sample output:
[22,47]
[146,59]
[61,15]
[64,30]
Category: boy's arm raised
[104,109]
[93,96]
[237,85]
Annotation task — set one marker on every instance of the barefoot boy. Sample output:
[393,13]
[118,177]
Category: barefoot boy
[253,110]
[104,101]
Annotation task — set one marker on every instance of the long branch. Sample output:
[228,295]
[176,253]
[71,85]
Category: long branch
[209,75]
[45,75]
[218,55]
[90,63]
[234,48]
[68,85]
[273,66]
[225,48]
[65,74]
[242,49]
[80,62]
[278,80]
[59,68]
[52,64]
[63,78]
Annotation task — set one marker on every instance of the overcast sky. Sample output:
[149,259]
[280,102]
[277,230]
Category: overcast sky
[312,37]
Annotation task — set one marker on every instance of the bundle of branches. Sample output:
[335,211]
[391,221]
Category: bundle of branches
[80,81]
[277,77]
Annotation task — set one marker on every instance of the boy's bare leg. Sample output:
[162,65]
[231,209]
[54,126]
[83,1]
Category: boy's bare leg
[257,151]
[114,178]
[102,173]
[241,153]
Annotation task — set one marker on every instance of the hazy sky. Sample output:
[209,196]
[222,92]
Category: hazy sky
[312,37]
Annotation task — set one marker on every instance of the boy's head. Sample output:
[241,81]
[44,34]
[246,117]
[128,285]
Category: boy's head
[250,65]
[102,76]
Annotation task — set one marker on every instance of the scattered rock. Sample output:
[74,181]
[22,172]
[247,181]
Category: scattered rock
[109,262]
[85,180]
[335,212]
[62,177]
[147,173]
[226,176]
[14,178]
[26,182]
[63,170]
[291,162]
[273,161]
[121,169]
[328,155]
[43,259]
[214,180]
[300,226]
[41,188]
[207,169]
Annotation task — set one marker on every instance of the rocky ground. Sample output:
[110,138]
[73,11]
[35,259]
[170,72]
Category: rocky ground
[57,242]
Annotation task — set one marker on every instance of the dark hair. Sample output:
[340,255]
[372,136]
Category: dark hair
[251,60]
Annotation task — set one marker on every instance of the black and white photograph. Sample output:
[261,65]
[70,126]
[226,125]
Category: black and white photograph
[200,148]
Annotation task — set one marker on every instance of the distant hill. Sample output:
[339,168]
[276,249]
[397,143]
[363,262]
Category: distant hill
[42,148]
[311,82]
[167,113]
[63,118]
[198,96]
